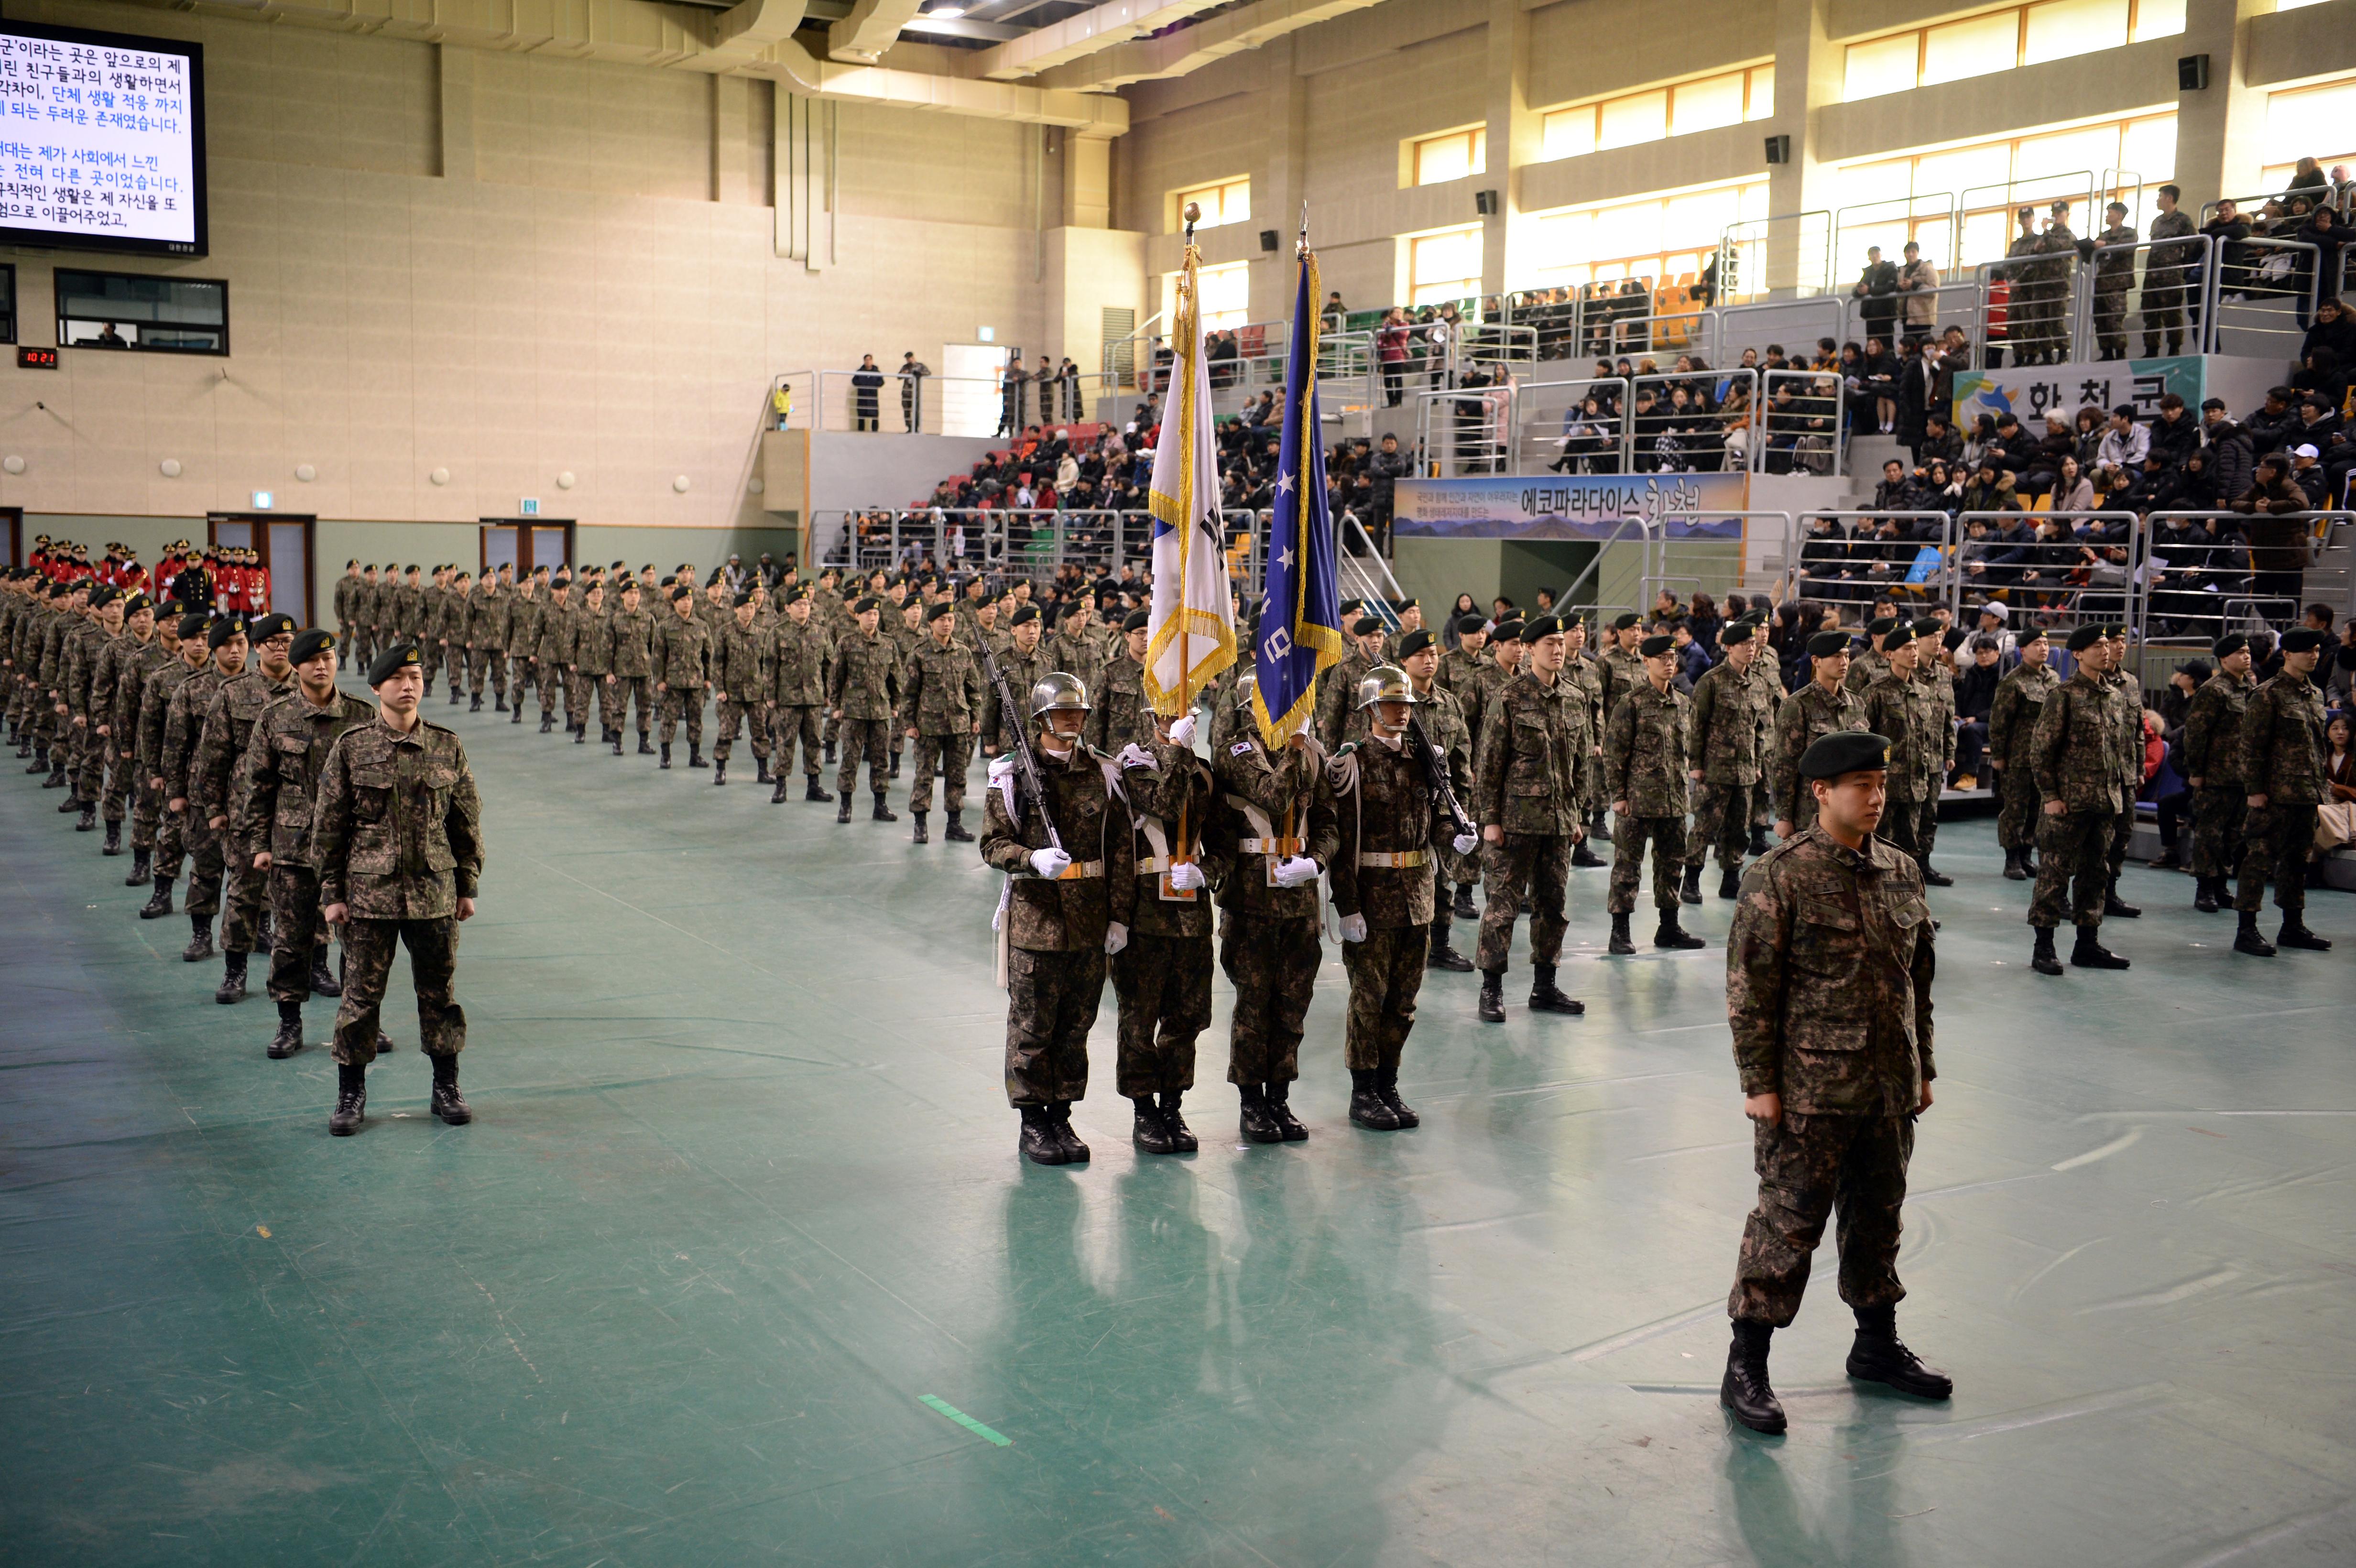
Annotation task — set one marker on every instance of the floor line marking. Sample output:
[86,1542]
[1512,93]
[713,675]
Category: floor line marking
[962,1419]
[2133,1134]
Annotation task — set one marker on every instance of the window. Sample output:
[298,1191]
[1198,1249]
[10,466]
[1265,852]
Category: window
[1662,239]
[127,310]
[2001,40]
[1227,295]
[2317,122]
[7,301]
[1224,201]
[1704,104]
[1451,155]
[1444,267]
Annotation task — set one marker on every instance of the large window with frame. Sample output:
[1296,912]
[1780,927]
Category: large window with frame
[1663,240]
[1227,295]
[1449,156]
[1444,266]
[2317,122]
[1728,97]
[141,311]
[1222,201]
[2002,40]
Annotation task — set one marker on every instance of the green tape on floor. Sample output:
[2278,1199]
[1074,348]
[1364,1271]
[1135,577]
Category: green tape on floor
[967,1422]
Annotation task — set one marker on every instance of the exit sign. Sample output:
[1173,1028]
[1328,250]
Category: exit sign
[36,358]
[261,500]
[531,504]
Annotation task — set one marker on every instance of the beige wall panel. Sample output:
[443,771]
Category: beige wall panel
[1357,117]
[1586,49]
[2138,75]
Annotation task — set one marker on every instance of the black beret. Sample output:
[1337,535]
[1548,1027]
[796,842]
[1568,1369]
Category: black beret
[1656,645]
[1137,620]
[1414,643]
[1954,637]
[1824,644]
[939,610]
[2302,640]
[392,662]
[1365,626]
[680,591]
[741,601]
[1409,603]
[1539,626]
[1924,625]
[2198,669]
[1508,631]
[191,626]
[2031,635]
[562,580]
[171,607]
[1736,632]
[2084,637]
[670,581]
[1622,622]
[1897,637]
[793,595]
[632,585]
[134,602]
[225,628]
[1880,626]
[2229,645]
[1845,751]
[311,644]
[102,595]
[1468,624]
[1023,615]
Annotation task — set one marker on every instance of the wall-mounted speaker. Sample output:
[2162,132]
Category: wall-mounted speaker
[1484,202]
[1268,238]
[1779,149]
[2193,73]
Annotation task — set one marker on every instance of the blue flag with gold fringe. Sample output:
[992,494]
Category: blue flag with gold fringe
[1299,630]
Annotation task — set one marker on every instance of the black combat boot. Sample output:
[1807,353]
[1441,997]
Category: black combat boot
[289,1038]
[1151,1134]
[1059,1120]
[581,735]
[815,791]
[114,845]
[547,722]
[883,812]
[2014,871]
[159,903]
[695,755]
[719,770]
[645,748]
[1759,842]
[1493,995]
[57,779]
[142,868]
[499,701]
[1442,955]
[2092,955]
[1287,1124]
[777,795]
[1367,1107]
[1730,882]
[1671,934]
[761,770]
[2209,894]
[920,836]
[1546,996]
[1598,827]
[2294,933]
[829,754]
[1879,1356]
[1182,1136]
[516,717]
[1259,1125]
[1461,907]
[447,1103]
[88,820]
[1386,1083]
[232,986]
[895,765]
[200,944]
[456,696]
[1746,1391]
[1933,877]
[1038,1143]
[2247,939]
[1691,892]
[843,813]
[475,704]
[2042,957]
[2171,859]
[2116,908]
[1585,857]
[957,832]
[666,756]
[351,1101]
[1621,942]
[324,982]
[617,742]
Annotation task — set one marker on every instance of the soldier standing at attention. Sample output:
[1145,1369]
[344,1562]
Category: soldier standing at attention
[397,842]
[1392,822]
[862,690]
[347,621]
[1494,674]
[2074,754]
[1277,809]
[740,665]
[1120,716]
[162,828]
[1828,971]
[1162,976]
[1825,706]
[2282,757]
[486,612]
[2213,766]
[114,708]
[551,654]
[681,653]
[1722,757]
[2012,719]
[522,644]
[796,696]
[1588,674]
[1935,725]
[1621,668]
[1531,763]
[1336,721]
[1061,917]
[904,623]
[589,650]
[213,778]
[2125,690]
[184,723]
[1444,726]
[450,634]
[1024,662]
[1873,663]
[1645,778]
[1460,667]
[940,705]
[633,660]
[278,780]
[1893,709]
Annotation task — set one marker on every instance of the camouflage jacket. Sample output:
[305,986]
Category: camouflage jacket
[1338,718]
[1535,759]
[2212,731]
[229,724]
[1270,807]
[1458,671]
[2074,750]
[486,618]
[83,647]
[1069,915]
[682,651]
[1385,808]
[1865,669]
[139,664]
[940,690]
[346,586]
[631,644]
[1079,655]
[1589,672]
[1169,786]
[865,680]
[740,663]
[450,625]
[2126,732]
[408,609]
[1620,672]
[396,830]
[1828,971]
[1021,673]
[156,694]
[2283,746]
[1934,705]
[1645,752]
[1893,709]
[525,613]
[119,664]
[280,774]
[559,623]
[1730,726]
[184,722]
[1807,716]
[798,663]
[589,640]
[1119,715]
[2012,716]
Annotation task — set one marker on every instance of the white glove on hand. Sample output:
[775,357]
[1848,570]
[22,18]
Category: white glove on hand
[1049,863]
[1116,938]
[1295,869]
[1186,877]
[1135,756]
[1466,843]
[1182,733]
[1354,928]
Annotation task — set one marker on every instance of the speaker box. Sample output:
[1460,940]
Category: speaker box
[1268,238]
[2193,73]
[1484,202]
[1779,149]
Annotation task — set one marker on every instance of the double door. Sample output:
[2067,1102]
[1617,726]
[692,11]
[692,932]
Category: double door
[526,543]
[283,543]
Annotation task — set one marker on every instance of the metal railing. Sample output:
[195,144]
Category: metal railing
[2029,317]
[1801,427]
[2341,199]
[2263,291]
[1655,574]
[2204,580]
[1898,569]
[2065,581]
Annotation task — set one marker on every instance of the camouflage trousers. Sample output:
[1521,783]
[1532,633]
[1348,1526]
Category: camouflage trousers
[247,893]
[525,671]
[621,692]
[454,656]
[950,755]
[864,738]
[1051,1005]
[1532,865]
[578,690]
[2218,815]
[683,703]
[90,765]
[731,714]
[1903,825]
[481,664]
[2071,848]
[348,648]
[171,838]
[295,931]
[1164,986]
[206,869]
[1385,977]
[554,682]
[2163,309]
[146,814]
[368,964]
[2115,859]
[1811,1167]
[1722,822]
[1629,834]
[2016,820]
[122,781]
[1272,963]
[786,724]
[2276,846]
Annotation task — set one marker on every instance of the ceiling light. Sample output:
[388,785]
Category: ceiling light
[944,13]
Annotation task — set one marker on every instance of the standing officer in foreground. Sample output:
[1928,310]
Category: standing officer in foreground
[2283,758]
[1828,972]
[862,688]
[397,842]
[1536,750]
[940,701]
[1162,976]
[682,652]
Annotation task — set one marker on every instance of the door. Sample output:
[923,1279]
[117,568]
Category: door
[12,536]
[526,544]
[282,541]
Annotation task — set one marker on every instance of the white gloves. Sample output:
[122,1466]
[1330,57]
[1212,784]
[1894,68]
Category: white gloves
[1354,928]
[1466,843]
[1135,756]
[1186,876]
[1295,869]
[1049,863]
[1116,938]
[1182,733]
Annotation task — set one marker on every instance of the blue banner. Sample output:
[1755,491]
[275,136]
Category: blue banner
[1299,630]
[1579,506]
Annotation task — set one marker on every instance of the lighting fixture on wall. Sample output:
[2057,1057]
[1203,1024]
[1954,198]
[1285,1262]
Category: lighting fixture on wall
[171,467]
[305,472]
[440,476]
[679,483]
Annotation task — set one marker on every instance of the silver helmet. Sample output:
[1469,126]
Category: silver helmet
[1385,683]
[1056,689]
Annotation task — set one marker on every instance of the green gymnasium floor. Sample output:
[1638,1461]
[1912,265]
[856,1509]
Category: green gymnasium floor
[740,1203]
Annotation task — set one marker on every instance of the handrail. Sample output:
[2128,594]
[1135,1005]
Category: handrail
[1792,574]
[2244,283]
[2339,198]
[2072,594]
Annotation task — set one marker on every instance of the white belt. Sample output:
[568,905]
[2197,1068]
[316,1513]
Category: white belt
[1393,860]
[1270,845]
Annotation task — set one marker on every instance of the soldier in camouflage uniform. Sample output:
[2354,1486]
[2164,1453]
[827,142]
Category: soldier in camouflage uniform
[346,615]
[489,613]
[1529,775]
[797,658]
[740,687]
[589,651]
[397,842]
[1076,650]
[2284,752]
[1337,720]
[2126,691]
[83,651]
[631,655]
[185,830]
[2074,754]
[213,784]
[409,606]
[525,612]
[2213,766]
[1872,663]
[1393,823]
[2012,719]
[1723,748]
[450,631]
[1460,667]
[1161,976]
[1589,672]
[1893,708]
[278,781]
[940,708]
[1120,716]
[140,711]
[1823,707]
[1495,673]
[1442,721]
[114,708]
[1828,972]
[1023,662]
[904,623]
[551,655]
[1063,913]
[1618,667]
[1934,696]
[862,688]
[681,656]
[1645,778]
[365,611]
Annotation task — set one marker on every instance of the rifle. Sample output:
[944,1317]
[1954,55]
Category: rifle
[1437,766]
[1026,764]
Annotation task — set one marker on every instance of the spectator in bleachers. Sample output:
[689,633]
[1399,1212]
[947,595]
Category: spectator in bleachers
[2307,473]
[866,387]
[2171,276]
[2175,434]
[2335,819]
[1390,353]
[2231,457]
[2114,264]
[2228,230]
[1877,286]
[2334,329]
[1918,286]
[2125,443]
[2278,542]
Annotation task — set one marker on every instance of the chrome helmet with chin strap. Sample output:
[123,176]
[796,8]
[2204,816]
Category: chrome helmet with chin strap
[1058,690]
[1385,683]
